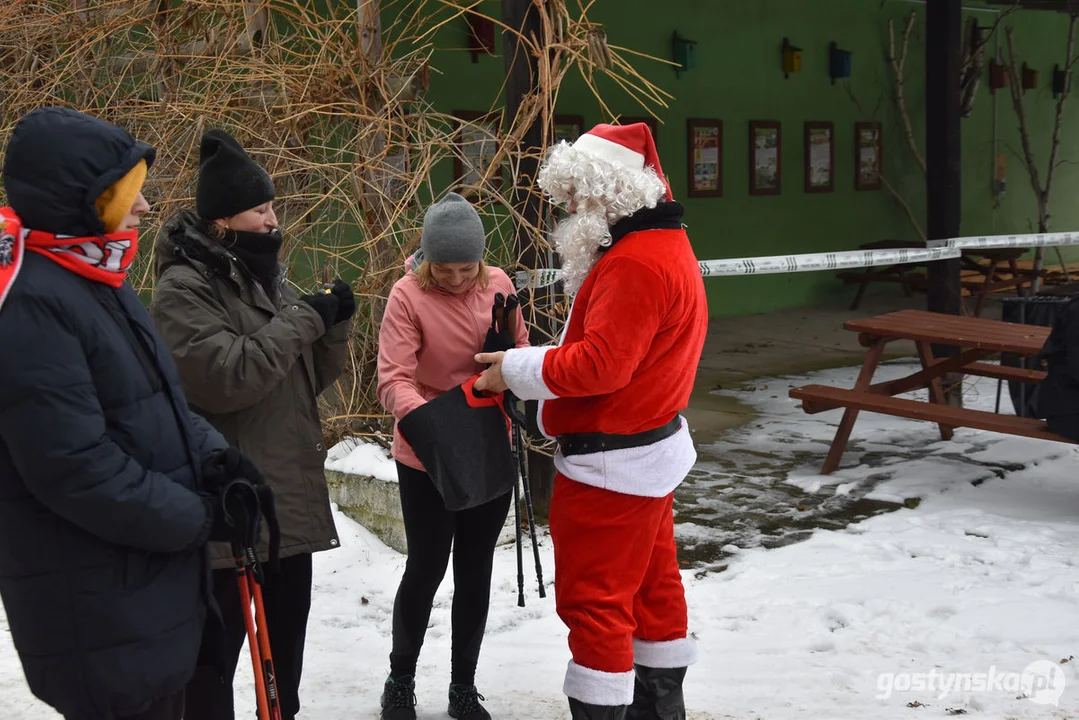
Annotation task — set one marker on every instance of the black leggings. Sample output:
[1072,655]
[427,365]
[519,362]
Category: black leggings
[430,530]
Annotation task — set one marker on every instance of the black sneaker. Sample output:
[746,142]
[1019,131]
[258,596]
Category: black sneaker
[398,699]
[465,703]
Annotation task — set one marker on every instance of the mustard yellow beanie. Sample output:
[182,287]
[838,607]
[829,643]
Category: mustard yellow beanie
[115,202]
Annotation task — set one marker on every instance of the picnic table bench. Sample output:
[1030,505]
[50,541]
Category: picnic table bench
[977,340]
[987,271]
[987,278]
[907,275]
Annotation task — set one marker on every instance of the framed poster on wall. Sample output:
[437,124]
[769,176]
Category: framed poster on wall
[765,157]
[477,144]
[704,139]
[868,156]
[568,127]
[819,157]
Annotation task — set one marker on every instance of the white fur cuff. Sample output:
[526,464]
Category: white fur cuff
[670,654]
[522,369]
[596,687]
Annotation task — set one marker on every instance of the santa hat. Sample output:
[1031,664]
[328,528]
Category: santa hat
[629,145]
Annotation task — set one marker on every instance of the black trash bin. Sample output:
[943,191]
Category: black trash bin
[1039,310]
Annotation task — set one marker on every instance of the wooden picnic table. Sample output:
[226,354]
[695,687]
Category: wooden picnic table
[976,338]
[991,279]
[989,270]
[906,274]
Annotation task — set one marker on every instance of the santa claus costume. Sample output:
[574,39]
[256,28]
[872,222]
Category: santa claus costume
[611,394]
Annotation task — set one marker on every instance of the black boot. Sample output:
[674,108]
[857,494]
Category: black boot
[657,694]
[398,699]
[583,711]
[465,703]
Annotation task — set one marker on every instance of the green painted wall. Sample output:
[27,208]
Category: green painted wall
[739,79]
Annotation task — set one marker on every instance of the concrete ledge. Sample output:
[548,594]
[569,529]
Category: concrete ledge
[373,503]
[376,504]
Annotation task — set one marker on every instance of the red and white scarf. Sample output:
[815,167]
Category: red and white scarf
[103,258]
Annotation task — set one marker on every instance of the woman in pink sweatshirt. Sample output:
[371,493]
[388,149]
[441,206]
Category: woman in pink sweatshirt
[435,322]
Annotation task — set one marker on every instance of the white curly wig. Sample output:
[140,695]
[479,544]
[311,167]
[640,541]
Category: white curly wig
[601,192]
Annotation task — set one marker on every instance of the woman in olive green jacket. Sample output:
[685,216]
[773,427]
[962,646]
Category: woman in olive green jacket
[253,358]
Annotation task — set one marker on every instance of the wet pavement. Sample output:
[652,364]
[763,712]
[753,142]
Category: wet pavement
[736,499]
[738,496]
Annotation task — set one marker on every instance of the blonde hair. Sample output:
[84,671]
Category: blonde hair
[427,280]
[215,231]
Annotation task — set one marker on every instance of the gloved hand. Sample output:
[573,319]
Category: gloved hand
[326,304]
[346,307]
[505,313]
[222,528]
[236,510]
[229,464]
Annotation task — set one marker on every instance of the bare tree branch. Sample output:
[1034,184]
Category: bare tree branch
[902,202]
[1042,194]
[975,48]
[1014,151]
[1016,89]
[1001,17]
[1058,120]
[897,64]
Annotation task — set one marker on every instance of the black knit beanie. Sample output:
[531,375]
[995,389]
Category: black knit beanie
[230,182]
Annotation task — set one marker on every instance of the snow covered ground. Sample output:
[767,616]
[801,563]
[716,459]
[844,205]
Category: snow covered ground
[354,456]
[967,604]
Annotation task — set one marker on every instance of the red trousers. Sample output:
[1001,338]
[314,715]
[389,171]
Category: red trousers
[618,588]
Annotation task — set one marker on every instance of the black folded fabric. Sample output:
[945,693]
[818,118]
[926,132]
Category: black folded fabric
[463,442]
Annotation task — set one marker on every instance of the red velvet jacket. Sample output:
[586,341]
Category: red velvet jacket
[628,358]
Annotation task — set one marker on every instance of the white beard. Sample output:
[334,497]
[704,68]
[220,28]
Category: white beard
[578,240]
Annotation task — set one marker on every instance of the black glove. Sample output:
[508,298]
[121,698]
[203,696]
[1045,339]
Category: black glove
[505,313]
[221,527]
[346,300]
[228,464]
[326,304]
[236,509]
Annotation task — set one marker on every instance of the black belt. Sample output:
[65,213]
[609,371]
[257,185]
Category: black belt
[584,443]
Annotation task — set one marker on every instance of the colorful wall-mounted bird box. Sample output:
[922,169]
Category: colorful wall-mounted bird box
[683,52]
[792,59]
[481,35]
[1029,78]
[1060,81]
[998,76]
[839,63]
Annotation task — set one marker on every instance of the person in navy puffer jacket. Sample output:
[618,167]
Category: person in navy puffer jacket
[103,523]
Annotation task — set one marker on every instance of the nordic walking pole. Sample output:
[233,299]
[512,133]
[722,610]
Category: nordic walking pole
[249,580]
[273,698]
[500,318]
[507,325]
[522,465]
[517,529]
[252,640]
[517,420]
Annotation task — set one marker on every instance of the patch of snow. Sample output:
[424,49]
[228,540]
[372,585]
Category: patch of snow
[964,603]
[355,456]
